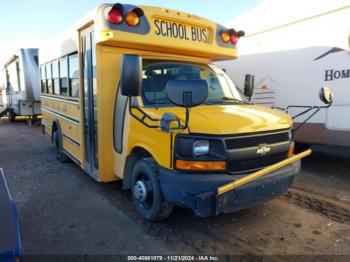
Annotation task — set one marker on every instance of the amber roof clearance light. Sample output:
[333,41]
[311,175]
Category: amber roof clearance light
[225,36]
[132,19]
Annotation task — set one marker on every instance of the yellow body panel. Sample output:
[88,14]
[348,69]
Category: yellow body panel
[229,119]
[135,134]
[190,44]
[108,61]
[61,106]
[72,149]
[205,119]
[67,114]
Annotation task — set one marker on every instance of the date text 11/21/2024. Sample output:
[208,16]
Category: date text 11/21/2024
[173,258]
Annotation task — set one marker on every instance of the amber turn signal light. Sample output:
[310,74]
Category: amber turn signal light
[225,37]
[132,19]
[291,149]
[201,165]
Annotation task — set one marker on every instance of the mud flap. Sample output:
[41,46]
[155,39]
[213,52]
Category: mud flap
[203,205]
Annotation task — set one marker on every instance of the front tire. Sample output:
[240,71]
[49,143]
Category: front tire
[146,191]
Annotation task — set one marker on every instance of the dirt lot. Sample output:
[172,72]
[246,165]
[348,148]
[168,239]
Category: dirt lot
[63,211]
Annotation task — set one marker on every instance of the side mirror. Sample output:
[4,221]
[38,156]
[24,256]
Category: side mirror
[326,95]
[187,93]
[248,85]
[130,77]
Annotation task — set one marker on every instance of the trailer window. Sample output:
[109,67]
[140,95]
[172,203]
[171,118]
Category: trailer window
[63,71]
[49,78]
[43,79]
[36,60]
[13,76]
[74,75]
[56,79]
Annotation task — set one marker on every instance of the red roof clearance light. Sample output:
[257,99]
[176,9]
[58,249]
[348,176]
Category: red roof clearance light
[235,35]
[115,16]
[234,39]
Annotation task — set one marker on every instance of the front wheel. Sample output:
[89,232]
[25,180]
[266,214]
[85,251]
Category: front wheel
[146,192]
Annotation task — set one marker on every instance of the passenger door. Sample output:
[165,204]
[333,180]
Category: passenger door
[89,96]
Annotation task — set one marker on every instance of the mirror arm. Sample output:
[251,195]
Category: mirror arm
[280,108]
[307,119]
[145,115]
[309,108]
[187,118]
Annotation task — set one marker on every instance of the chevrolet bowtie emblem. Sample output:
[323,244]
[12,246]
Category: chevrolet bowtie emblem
[263,149]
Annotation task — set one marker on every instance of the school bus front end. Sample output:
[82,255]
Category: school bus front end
[161,117]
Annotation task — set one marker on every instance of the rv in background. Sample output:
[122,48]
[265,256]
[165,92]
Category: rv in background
[293,57]
[20,85]
[2,87]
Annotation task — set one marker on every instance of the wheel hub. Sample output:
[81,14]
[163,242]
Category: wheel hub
[140,191]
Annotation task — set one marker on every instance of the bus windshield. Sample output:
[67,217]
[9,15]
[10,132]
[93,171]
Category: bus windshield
[156,74]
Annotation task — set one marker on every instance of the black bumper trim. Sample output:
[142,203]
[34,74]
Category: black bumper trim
[198,191]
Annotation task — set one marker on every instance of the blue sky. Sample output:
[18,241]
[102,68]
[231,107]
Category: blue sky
[26,23]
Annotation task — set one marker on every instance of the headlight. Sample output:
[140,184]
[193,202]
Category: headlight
[200,147]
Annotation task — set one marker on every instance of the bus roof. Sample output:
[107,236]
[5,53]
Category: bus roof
[159,29]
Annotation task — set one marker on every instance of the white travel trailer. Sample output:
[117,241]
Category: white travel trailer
[20,84]
[297,48]
[2,87]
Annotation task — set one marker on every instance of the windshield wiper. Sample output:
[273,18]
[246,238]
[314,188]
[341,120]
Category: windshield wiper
[223,99]
[226,98]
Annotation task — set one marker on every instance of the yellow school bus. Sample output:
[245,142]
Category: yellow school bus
[131,93]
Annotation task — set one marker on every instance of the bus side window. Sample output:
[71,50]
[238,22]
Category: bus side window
[49,78]
[63,66]
[55,76]
[43,79]
[74,75]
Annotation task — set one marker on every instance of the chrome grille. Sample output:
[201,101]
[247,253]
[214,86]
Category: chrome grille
[243,150]
[237,166]
[256,140]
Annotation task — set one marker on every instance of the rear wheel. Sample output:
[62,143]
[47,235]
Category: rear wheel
[12,116]
[146,192]
[60,155]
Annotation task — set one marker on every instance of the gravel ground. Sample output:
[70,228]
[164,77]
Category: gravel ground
[64,212]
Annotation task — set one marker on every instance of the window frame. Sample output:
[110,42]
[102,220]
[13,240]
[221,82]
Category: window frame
[49,80]
[55,78]
[43,80]
[70,94]
[62,62]
[63,58]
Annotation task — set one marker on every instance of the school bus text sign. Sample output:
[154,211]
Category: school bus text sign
[181,31]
